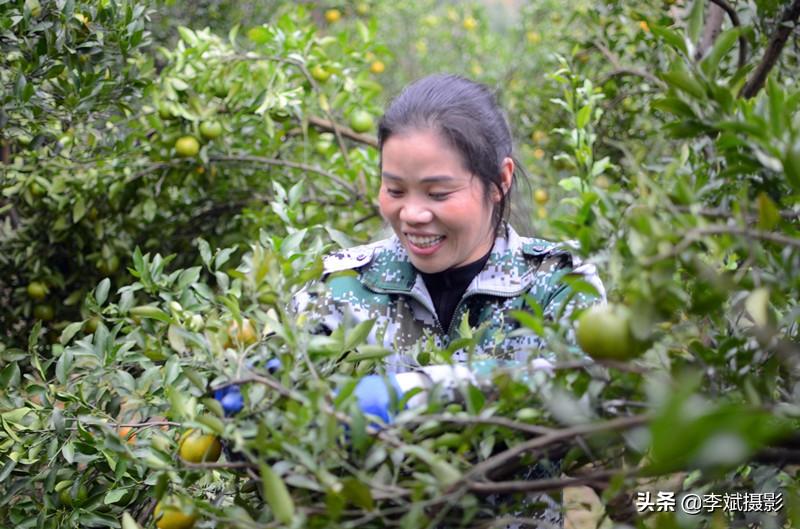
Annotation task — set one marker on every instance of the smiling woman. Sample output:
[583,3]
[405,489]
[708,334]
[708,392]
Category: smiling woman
[447,171]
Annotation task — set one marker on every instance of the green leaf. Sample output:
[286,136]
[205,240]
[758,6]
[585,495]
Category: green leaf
[695,23]
[276,494]
[358,334]
[70,331]
[778,111]
[791,167]
[101,293]
[671,37]
[78,210]
[684,81]
[357,493]
[582,119]
[113,496]
[768,214]
[526,319]
[10,376]
[475,399]
[258,35]
[368,352]
[68,451]
[188,36]
[725,41]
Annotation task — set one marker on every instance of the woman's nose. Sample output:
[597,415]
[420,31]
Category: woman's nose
[415,213]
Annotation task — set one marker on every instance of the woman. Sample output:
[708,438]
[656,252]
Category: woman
[447,171]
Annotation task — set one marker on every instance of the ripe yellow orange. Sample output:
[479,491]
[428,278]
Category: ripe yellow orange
[170,516]
[533,37]
[197,447]
[362,8]
[128,434]
[244,335]
[377,67]
[333,15]
[538,153]
[541,196]
[470,24]
[187,146]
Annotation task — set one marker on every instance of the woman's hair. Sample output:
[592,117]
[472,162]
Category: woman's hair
[467,115]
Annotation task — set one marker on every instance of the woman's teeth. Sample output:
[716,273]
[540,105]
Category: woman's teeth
[424,242]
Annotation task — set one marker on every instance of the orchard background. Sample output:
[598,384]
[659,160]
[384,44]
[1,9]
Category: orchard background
[140,269]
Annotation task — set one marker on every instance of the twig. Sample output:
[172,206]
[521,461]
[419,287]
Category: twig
[773,51]
[614,364]
[327,125]
[735,21]
[624,423]
[621,70]
[492,421]
[505,521]
[218,464]
[543,485]
[285,163]
[786,214]
[692,236]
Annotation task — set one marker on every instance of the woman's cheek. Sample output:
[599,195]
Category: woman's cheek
[384,204]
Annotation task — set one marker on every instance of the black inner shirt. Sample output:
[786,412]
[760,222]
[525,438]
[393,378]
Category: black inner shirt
[447,287]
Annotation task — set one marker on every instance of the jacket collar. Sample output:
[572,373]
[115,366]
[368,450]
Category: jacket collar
[507,272]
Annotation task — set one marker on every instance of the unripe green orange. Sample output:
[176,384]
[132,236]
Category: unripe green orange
[37,290]
[211,129]
[361,121]
[604,333]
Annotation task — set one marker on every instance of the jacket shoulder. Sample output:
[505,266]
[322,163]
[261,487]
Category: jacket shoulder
[533,247]
[351,258]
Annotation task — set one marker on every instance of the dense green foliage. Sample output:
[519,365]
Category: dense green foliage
[125,256]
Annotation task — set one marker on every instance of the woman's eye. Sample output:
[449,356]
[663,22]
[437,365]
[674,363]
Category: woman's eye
[438,196]
[394,192]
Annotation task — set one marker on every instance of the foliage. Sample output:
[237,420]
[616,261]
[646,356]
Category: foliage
[682,190]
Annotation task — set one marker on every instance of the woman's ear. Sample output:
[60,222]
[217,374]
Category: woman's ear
[506,176]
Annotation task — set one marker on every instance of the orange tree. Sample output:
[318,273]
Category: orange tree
[232,156]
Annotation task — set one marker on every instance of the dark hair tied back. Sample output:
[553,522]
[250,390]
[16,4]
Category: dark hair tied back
[467,115]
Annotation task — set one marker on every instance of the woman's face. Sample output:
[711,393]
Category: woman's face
[436,207]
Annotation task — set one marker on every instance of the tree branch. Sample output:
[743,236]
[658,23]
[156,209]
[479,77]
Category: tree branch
[285,163]
[735,21]
[773,51]
[693,235]
[786,214]
[624,423]
[544,485]
[621,70]
[330,126]
[491,421]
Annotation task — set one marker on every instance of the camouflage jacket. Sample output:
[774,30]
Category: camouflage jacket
[377,281]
